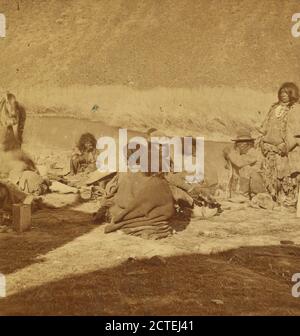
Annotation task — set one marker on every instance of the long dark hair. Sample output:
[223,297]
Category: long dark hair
[86,137]
[292,90]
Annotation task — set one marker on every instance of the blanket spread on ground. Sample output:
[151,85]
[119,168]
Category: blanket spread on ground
[142,206]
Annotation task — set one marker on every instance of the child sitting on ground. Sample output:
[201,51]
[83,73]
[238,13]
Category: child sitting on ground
[84,155]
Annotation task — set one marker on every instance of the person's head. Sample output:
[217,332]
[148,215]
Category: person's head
[133,157]
[87,142]
[10,106]
[288,93]
[243,141]
[244,146]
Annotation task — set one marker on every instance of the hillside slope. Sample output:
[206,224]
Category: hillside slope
[144,51]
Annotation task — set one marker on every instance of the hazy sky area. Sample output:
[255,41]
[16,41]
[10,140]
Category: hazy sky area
[150,43]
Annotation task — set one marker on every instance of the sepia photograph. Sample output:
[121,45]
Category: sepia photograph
[149,160]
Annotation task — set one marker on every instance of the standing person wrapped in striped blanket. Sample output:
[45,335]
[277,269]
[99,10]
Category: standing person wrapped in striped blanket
[274,146]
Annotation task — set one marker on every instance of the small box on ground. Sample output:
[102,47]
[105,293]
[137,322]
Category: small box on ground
[21,217]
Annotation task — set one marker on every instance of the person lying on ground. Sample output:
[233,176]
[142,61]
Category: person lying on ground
[84,155]
[20,170]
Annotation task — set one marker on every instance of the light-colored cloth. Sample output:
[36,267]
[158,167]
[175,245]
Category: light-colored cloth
[29,182]
[62,188]
[262,200]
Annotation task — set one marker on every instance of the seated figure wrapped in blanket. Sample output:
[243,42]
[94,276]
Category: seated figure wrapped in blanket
[143,204]
[138,203]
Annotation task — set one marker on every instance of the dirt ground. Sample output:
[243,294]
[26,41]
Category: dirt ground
[234,263]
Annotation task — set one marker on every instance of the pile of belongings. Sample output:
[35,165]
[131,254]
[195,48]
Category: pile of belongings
[197,196]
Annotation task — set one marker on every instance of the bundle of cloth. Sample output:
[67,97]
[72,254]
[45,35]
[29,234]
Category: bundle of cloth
[19,169]
[20,182]
[142,206]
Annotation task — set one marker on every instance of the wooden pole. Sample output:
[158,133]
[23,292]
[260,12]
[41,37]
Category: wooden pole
[298,205]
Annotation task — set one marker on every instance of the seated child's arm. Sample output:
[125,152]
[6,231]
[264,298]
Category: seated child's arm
[76,153]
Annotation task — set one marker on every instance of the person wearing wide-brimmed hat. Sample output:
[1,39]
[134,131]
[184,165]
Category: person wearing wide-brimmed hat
[243,152]
[243,135]
[244,160]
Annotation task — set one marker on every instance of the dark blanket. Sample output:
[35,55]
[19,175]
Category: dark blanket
[143,206]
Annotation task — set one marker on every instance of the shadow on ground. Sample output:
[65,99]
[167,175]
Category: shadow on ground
[244,281]
[51,229]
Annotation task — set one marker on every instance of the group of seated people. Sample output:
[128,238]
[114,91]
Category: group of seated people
[143,204]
